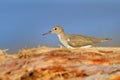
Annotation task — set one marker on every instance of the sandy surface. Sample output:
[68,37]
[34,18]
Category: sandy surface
[45,63]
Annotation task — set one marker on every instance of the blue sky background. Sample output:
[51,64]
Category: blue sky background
[22,22]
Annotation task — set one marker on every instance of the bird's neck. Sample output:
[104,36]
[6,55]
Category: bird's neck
[61,35]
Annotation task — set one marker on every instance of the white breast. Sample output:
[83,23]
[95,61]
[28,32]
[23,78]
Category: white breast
[64,42]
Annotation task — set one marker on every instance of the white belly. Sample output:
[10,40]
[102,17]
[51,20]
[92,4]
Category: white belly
[88,46]
[64,42]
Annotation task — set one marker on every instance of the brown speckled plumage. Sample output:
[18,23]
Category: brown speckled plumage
[74,40]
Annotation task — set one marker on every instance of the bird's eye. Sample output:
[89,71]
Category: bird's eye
[55,28]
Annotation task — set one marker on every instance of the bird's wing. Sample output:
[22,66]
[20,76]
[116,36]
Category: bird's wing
[80,40]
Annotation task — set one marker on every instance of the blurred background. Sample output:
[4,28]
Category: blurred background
[22,22]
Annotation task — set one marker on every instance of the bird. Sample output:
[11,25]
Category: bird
[74,40]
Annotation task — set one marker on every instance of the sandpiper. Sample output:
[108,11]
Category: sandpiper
[75,40]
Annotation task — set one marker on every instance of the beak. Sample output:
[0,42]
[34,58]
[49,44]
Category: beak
[47,33]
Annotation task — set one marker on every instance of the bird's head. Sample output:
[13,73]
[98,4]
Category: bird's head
[55,30]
